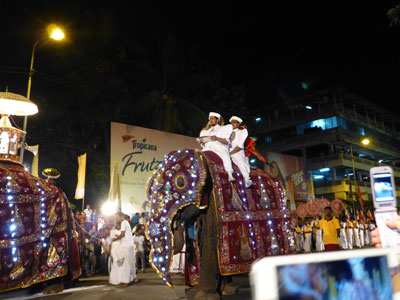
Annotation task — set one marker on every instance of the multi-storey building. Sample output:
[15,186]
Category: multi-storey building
[326,128]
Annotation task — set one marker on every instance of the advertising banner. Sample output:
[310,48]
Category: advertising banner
[291,171]
[138,151]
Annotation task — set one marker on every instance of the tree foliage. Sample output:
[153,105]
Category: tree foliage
[154,83]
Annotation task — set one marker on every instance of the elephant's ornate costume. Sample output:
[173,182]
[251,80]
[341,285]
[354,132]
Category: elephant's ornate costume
[248,223]
[37,238]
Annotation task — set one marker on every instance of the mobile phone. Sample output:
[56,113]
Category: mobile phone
[384,196]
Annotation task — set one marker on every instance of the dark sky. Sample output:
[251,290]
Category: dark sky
[270,49]
[267,48]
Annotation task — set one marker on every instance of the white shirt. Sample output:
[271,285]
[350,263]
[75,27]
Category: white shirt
[88,215]
[142,221]
[240,138]
[138,241]
[127,240]
[223,132]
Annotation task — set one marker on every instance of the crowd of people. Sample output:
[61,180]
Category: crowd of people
[114,246]
[329,233]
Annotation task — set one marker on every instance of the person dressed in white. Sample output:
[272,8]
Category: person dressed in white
[236,149]
[319,238]
[371,227]
[218,140]
[362,230]
[138,240]
[349,234]
[299,238]
[307,231]
[356,228]
[120,265]
[342,238]
[367,235]
[126,238]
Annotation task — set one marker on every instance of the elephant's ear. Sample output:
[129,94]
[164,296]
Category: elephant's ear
[177,183]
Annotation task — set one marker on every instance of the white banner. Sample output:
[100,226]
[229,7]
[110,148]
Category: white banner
[138,151]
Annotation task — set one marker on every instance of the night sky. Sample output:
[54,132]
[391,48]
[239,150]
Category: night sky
[269,49]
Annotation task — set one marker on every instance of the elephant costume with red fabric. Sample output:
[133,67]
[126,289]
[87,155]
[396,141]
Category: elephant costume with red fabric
[233,225]
[38,241]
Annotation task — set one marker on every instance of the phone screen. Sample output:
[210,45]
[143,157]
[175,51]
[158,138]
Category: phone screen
[383,187]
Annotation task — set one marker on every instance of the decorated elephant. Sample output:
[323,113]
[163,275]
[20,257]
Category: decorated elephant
[38,242]
[234,225]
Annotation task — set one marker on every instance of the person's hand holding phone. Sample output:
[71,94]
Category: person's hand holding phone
[375,236]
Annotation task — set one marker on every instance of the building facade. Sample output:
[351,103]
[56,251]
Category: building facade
[328,129]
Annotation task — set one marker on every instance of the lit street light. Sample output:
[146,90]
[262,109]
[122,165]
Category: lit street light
[364,141]
[55,33]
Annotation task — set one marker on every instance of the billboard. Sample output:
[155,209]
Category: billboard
[291,171]
[138,151]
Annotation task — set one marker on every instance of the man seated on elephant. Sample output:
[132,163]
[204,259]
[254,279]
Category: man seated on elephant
[218,141]
[238,138]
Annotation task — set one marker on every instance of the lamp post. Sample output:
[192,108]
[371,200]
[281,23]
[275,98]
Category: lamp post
[354,176]
[364,141]
[55,33]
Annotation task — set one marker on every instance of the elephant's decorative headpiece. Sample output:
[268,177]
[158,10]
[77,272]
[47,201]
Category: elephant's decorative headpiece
[177,183]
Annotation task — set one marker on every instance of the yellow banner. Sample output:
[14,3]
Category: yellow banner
[80,187]
[35,161]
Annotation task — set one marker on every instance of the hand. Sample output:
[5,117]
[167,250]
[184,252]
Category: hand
[375,236]
[214,138]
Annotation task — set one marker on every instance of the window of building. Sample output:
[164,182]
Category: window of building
[324,124]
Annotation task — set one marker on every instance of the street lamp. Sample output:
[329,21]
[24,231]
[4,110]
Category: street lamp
[364,141]
[57,34]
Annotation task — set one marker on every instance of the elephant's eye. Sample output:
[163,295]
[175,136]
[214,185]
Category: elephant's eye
[180,181]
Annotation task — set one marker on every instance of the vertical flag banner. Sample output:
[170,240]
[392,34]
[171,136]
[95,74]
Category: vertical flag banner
[347,213]
[138,152]
[360,199]
[80,187]
[114,194]
[369,215]
[35,161]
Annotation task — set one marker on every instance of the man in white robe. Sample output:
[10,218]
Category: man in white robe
[120,266]
[218,140]
[128,245]
[236,149]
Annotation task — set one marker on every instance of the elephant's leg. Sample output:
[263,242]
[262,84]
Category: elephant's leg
[209,269]
[54,286]
[227,286]
[178,237]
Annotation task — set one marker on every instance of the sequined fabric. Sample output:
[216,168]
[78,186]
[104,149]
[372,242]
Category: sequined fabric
[251,223]
[37,237]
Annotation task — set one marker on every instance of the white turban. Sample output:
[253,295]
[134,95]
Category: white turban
[236,119]
[214,114]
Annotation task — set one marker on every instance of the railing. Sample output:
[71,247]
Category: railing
[342,155]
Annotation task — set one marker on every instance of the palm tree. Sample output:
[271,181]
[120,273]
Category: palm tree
[394,15]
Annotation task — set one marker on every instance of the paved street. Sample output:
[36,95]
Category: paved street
[150,287]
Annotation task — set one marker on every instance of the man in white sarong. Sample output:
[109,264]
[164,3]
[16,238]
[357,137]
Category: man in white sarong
[129,275]
[371,227]
[236,149]
[356,230]
[120,266]
[362,231]
[350,234]
[342,237]
[218,140]
[307,231]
